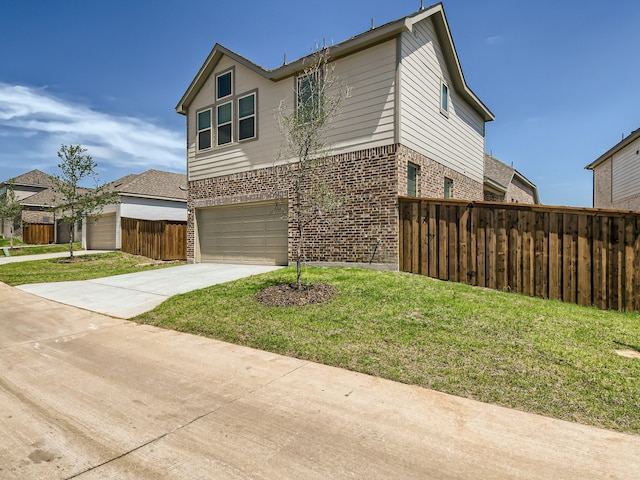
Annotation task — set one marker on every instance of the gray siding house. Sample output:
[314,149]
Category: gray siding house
[616,175]
[411,126]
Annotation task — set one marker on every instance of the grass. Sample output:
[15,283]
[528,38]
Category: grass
[23,249]
[539,356]
[97,266]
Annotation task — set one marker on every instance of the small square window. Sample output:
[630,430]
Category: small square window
[448,188]
[444,98]
[412,180]
[224,85]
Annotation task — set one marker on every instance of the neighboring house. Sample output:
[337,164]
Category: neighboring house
[411,126]
[28,188]
[152,195]
[503,183]
[616,175]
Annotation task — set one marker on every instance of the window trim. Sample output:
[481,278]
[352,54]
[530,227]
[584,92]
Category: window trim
[445,98]
[218,124]
[231,72]
[254,115]
[448,181]
[200,130]
[416,168]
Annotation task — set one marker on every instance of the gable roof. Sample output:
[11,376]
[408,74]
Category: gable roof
[34,178]
[354,44]
[499,175]
[632,137]
[44,198]
[152,184]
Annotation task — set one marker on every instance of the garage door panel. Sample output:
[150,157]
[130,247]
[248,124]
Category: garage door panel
[246,233]
[101,232]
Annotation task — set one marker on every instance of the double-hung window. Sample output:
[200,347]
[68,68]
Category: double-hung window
[204,129]
[247,117]
[308,96]
[225,123]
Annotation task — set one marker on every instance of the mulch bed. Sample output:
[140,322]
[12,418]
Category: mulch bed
[288,295]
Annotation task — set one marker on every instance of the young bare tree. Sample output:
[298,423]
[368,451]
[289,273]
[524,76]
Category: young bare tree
[74,202]
[319,96]
[10,209]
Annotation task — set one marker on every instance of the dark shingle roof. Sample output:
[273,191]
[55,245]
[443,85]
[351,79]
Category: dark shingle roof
[153,183]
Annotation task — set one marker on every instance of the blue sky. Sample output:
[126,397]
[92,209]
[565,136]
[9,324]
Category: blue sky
[561,76]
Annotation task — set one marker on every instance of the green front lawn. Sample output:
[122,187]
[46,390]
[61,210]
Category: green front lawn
[23,249]
[539,356]
[87,267]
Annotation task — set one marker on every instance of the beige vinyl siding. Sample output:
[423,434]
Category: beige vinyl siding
[366,119]
[456,140]
[625,173]
[245,155]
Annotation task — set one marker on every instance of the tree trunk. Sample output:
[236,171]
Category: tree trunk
[71,239]
[299,259]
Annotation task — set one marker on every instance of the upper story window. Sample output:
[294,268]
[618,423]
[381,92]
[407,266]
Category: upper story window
[204,129]
[247,117]
[308,95]
[225,123]
[232,117]
[444,98]
[224,85]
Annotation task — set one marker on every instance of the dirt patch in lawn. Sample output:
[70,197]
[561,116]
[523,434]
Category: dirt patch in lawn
[288,295]
[628,353]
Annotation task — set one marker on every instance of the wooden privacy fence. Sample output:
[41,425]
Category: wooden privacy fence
[160,240]
[38,233]
[583,256]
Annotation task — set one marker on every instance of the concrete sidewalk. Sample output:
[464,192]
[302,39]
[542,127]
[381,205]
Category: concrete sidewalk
[87,396]
[128,295]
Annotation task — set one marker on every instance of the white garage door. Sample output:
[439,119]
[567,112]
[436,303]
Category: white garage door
[251,233]
[101,233]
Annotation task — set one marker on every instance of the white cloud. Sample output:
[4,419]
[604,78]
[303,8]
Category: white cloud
[494,40]
[38,121]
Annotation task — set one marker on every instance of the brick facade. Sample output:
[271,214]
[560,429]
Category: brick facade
[367,182]
[431,175]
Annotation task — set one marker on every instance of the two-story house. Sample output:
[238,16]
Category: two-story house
[616,175]
[411,126]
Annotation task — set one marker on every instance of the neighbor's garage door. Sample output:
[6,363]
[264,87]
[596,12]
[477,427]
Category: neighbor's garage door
[101,233]
[247,233]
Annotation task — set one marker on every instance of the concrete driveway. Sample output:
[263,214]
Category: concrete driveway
[87,396]
[125,296]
